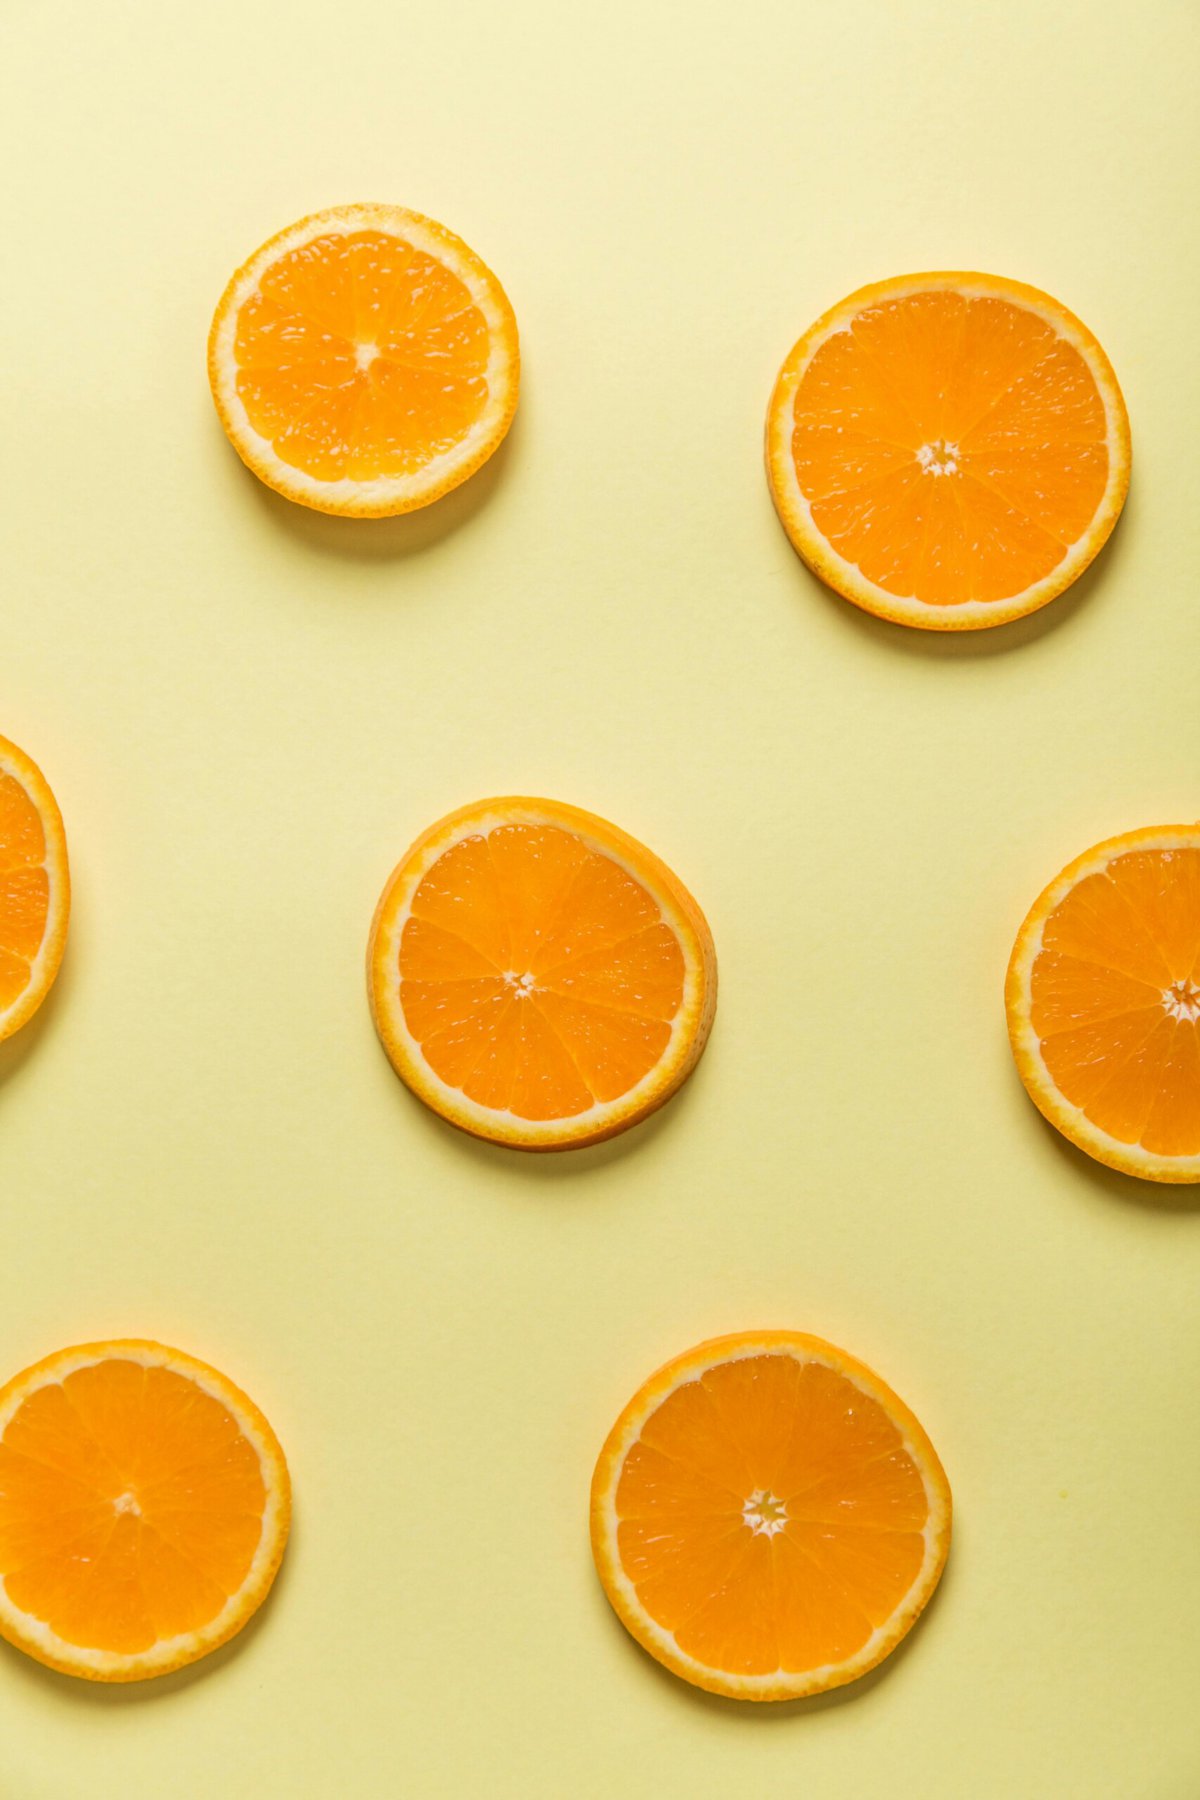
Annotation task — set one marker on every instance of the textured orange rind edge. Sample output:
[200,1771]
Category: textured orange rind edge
[1039,1084]
[15,762]
[689,1032]
[844,577]
[177,1653]
[399,494]
[603,1520]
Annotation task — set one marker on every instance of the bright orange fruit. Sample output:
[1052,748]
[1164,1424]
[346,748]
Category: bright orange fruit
[537,976]
[364,361]
[35,888]
[144,1509]
[948,450]
[1103,1001]
[768,1519]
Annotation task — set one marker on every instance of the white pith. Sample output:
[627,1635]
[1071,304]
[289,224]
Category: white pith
[442,246]
[1182,1001]
[780,1683]
[796,509]
[35,1634]
[939,457]
[49,952]
[502,1122]
[764,1513]
[1027,1049]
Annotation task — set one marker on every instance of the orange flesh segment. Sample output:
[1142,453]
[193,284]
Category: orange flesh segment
[24,888]
[536,974]
[844,1503]
[1116,999]
[361,357]
[131,1506]
[952,448]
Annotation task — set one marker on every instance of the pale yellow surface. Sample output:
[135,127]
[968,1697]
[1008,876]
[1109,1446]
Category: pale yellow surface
[248,711]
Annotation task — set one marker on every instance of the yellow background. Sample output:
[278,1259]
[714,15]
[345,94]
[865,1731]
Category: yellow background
[248,711]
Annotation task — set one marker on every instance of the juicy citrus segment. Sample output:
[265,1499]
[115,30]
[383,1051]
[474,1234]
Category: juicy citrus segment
[1103,1000]
[364,361]
[537,976]
[948,450]
[144,1506]
[35,888]
[768,1519]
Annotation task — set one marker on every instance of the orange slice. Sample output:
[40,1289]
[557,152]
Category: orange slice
[1103,1000]
[948,450]
[538,977]
[35,888]
[144,1508]
[364,361]
[768,1519]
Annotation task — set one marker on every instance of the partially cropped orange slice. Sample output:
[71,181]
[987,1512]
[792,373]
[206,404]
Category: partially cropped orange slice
[768,1519]
[948,450]
[537,976]
[35,888]
[144,1509]
[364,361]
[1103,1000]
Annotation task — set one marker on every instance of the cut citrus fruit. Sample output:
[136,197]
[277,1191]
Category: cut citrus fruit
[364,361]
[144,1509]
[768,1519]
[35,888]
[538,977]
[948,450]
[1103,1001]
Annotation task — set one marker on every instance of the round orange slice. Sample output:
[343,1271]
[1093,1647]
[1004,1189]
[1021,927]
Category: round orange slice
[144,1509]
[364,361]
[35,888]
[538,977]
[1103,1001]
[768,1519]
[948,450]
